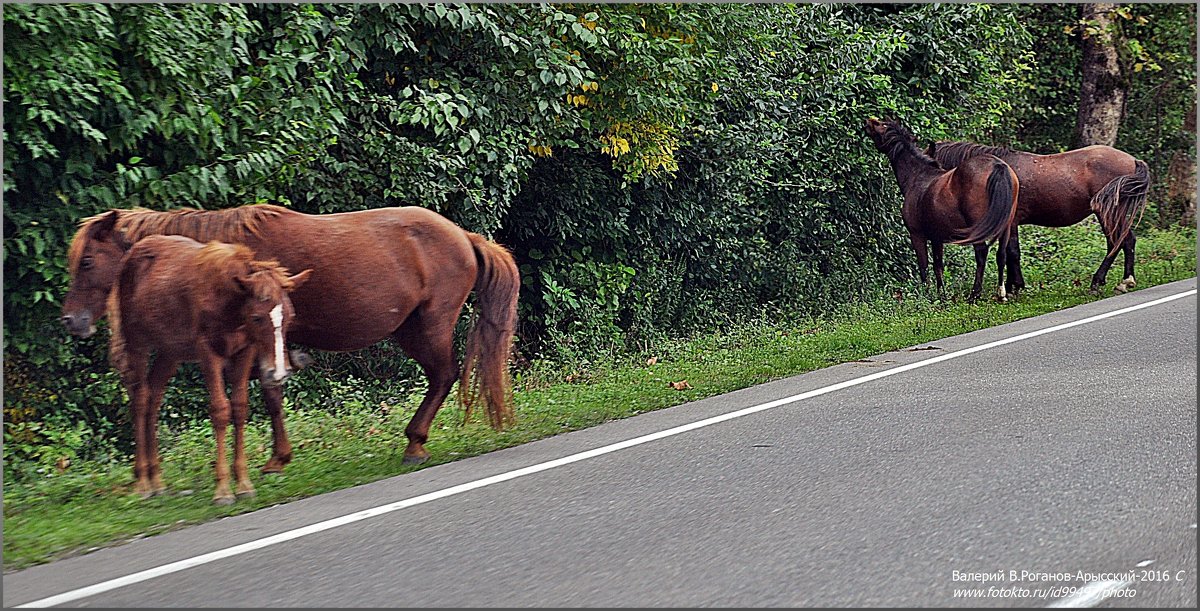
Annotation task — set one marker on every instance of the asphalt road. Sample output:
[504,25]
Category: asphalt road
[1068,452]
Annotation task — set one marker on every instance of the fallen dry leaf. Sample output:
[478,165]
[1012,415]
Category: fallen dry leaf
[652,360]
[680,385]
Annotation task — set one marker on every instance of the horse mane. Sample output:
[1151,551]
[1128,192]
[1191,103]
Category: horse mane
[897,139]
[117,354]
[952,154]
[223,260]
[133,224]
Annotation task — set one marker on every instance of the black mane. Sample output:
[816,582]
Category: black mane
[897,140]
[951,154]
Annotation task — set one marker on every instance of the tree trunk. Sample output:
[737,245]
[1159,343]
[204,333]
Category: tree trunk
[1181,176]
[1101,90]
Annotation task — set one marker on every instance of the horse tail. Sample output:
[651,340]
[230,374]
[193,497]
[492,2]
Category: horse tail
[489,342]
[1121,203]
[1002,190]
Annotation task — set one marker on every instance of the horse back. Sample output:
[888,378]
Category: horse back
[153,293]
[371,270]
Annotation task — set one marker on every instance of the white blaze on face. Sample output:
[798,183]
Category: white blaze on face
[277,320]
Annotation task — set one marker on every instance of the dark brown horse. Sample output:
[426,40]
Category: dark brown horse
[212,304]
[972,204]
[399,272]
[1063,189]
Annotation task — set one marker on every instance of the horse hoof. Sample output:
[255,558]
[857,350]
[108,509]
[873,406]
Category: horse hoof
[414,460]
[1120,288]
[245,494]
[145,493]
[223,500]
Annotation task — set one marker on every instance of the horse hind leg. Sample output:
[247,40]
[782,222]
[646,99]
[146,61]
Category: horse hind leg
[1016,280]
[1001,259]
[981,251]
[219,411]
[240,410]
[1101,275]
[429,341]
[1128,282]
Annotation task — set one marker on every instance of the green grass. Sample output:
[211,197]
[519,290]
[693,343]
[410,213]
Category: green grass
[90,505]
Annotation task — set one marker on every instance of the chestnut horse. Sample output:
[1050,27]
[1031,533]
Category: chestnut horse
[399,272]
[208,303]
[971,204]
[1063,189]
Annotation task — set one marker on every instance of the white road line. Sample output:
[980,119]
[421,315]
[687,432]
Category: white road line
[1089,595]
[175,567]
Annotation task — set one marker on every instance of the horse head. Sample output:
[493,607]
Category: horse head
[265,313]
[94,260]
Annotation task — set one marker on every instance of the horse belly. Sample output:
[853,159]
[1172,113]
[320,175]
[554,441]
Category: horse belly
[353,322]
[1067,207]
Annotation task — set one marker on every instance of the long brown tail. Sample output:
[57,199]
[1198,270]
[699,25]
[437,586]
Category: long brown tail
[1121,203]
[1002,207]
[489,342]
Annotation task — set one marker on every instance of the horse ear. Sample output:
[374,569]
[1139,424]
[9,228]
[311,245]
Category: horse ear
[242,282]
[299,279]
[102,228]
[931,149]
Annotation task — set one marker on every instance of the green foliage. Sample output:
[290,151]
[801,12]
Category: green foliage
[1156,45]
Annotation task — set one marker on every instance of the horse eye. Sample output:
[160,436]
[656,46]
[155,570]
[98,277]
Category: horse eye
[86,263]
[257,318]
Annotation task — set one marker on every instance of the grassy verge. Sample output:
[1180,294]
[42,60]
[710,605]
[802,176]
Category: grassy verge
[90,505]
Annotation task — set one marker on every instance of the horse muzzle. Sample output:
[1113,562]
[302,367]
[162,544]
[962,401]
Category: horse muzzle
[273,377]
[80,324]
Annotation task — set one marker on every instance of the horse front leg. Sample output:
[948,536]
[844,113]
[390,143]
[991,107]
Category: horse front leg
[281,448]
[981,251]
[919,247]
[240,408]
[939,267]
